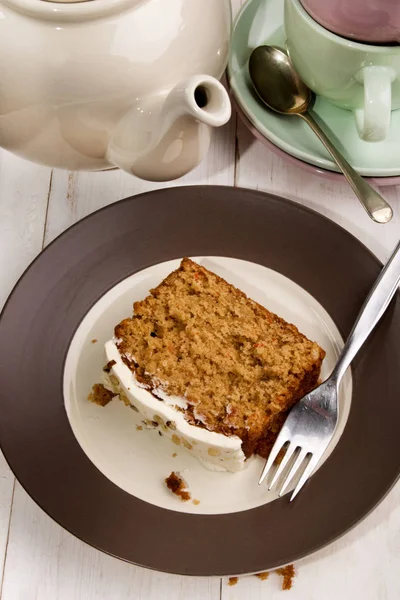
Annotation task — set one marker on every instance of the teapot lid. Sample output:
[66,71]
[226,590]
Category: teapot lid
[72,11]
[65,1]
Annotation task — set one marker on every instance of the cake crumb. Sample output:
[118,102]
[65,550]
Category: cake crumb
[288,574]
[174,455]
[94,341]
[178,486]
[233,580]
[124,399]
[100,395]
[139,428]
[263,576]
[196,502]
[107,368]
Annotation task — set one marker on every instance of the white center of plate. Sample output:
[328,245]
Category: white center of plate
[139,460]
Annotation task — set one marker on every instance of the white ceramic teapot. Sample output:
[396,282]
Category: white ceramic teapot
[103,83]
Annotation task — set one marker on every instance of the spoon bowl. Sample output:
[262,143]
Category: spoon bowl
[277,83]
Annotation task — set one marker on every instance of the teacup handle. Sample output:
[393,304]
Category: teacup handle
[374,119]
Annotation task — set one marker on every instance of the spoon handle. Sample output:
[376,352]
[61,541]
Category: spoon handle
[376,206]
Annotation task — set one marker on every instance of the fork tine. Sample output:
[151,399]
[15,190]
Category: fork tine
[306,474]
[276,448]
[288,455]
[301,456]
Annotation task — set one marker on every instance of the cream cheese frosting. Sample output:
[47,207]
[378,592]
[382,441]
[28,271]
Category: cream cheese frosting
[214,450]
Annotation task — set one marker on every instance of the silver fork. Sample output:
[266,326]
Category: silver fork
[310,426]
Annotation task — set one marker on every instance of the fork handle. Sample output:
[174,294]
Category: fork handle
[372,310]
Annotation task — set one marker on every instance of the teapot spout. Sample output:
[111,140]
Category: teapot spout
[166,136]
[205,98]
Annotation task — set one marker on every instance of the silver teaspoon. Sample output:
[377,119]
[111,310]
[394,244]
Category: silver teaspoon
[280,88]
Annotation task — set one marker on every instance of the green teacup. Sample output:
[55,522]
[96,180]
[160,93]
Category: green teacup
[360,77]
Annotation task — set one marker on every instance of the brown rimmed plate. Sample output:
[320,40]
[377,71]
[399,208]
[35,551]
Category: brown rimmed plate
[56,293]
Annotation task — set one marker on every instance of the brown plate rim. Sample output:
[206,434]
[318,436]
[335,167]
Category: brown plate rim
[75,270]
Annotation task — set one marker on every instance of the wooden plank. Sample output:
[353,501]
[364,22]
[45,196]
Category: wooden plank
[24,191]
[23,202]
[7,482]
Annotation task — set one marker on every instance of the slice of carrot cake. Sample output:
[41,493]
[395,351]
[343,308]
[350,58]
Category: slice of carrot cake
[217,371]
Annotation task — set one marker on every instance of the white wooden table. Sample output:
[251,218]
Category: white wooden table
[41,561]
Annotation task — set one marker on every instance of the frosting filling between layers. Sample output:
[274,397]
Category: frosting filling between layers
[214,450]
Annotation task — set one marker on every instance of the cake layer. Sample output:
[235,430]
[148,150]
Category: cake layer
[236,367]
